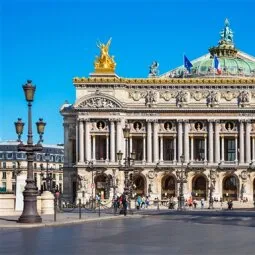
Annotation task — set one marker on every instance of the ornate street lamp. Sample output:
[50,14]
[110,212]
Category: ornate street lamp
[181,179]
[91,167]
[30,214]
[127,160]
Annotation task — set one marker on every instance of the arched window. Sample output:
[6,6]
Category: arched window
[199,188]
[168,185]
[230,188]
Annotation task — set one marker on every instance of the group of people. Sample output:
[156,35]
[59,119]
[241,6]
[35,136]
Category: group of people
[190,202]
[120,202]
[142,202]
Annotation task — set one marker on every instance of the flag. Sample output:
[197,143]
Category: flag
[187,63]
[217,65]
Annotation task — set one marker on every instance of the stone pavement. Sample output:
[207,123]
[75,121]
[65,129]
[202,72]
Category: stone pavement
[62,219]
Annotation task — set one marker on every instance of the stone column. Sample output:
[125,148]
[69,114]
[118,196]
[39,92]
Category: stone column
[210,134]
[149,141]
[241,141]
[76,144]
[174,149]
[144,149]
[88,140]
[253,149]
[217,142]
[155,142]
[93,147]
[112,141]
[248,142]
[107,148]
[222,149]
[192,148]
[180,142]
[119,136]
[205,159]
[66,142]
[186,140]
[161,148]
[81,141]
[236,150]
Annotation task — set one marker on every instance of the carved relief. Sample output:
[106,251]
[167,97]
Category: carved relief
[167,95]
[182,98]
[229,95]
[98,102]
[198,95]
[136,95]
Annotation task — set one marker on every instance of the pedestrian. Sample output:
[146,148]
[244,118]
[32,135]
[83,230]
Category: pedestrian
[124,204]
[195,203]
[202,203]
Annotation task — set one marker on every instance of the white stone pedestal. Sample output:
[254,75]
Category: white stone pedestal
[47,202]
[20,186]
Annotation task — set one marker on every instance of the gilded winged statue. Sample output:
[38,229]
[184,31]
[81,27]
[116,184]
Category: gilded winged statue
[104,63]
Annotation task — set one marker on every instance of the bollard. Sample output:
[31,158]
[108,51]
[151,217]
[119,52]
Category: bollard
[99,202]
[79,208]
[158,205]
[55,208]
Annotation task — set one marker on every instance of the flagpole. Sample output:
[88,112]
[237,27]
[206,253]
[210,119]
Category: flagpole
[183,54]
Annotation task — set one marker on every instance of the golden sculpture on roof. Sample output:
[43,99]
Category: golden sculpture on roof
[104,63]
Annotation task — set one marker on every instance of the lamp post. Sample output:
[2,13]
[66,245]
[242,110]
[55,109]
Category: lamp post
[91,167]
[181,179]
[211,188]
[30,214]
[127,166]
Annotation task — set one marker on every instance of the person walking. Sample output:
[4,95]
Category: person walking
[124,203]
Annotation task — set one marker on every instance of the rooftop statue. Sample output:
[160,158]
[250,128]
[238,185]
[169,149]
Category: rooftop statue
[104,63]
[227,34]
[154,69]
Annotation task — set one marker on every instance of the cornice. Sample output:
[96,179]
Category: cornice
[77,81]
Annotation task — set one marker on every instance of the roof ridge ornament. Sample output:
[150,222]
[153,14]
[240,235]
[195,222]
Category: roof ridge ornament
[104,63]
[226,34]
[225,46]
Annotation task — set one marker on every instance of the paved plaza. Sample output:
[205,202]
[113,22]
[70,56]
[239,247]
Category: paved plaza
[193,232]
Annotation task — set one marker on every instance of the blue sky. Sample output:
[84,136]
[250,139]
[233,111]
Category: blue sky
[50,42]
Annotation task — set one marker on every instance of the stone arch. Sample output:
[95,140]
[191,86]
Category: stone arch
[199,187]
[98,100]
[230,187]
[139,185]
[168,186]
[102,187]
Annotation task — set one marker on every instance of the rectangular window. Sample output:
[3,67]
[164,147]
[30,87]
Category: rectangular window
[230,150]
[13,174]
[4,175]
[168,149]
[1,155]
[100,147]
[19,155]
[54,176]
[60,177]
[13,186]
[4,164]
[199,149]
[3,187]
[9,155]
[35,165]
[137,147]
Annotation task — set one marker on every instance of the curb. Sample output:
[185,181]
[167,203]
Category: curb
[56,224]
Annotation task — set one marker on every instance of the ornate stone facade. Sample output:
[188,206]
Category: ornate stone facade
[210,120]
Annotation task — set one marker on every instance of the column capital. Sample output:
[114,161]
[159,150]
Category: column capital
[151,120]
[180,120]
[112,120]
[241,121]
[211,121]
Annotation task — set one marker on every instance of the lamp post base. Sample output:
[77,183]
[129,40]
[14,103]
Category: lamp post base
[30,214]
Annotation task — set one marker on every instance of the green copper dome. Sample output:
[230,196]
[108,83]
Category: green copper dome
[232,62]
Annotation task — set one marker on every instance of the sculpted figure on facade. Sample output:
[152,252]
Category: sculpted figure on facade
[167,95]
[98,102]
[226,34]
[182,98]
[213,98]
[137,95]
[244,98]
[154,69]
[150,98]
[198,95]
